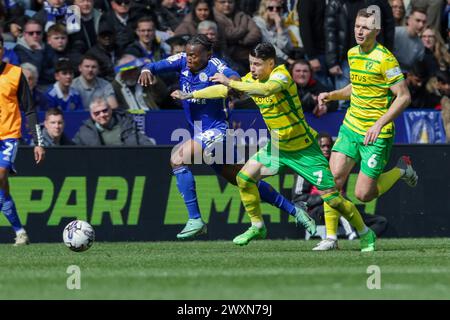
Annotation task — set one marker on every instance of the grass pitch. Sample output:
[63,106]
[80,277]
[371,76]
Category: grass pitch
[271,269]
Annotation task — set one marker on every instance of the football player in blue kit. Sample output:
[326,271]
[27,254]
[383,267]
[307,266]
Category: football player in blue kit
[208,120]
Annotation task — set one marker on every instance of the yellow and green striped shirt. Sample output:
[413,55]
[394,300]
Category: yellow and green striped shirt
[282,112]
[371,75]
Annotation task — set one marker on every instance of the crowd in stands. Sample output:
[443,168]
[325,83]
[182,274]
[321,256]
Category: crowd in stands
[74,52]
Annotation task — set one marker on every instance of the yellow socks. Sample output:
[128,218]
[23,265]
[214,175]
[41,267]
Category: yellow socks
[250,197]
[347,209]
[388,179]
[331,220]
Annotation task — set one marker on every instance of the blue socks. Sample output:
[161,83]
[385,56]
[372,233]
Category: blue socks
[270,195]
[9,210]
[186,186]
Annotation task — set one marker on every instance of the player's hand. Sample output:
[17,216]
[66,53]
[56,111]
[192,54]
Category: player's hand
[146,78]
[372,134]
[180,95]
[220,78]
[39,154]
[323,98]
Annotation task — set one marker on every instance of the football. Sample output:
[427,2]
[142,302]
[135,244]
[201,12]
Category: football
[78,235]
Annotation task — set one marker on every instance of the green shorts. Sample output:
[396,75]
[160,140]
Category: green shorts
[309,163]
[372,158]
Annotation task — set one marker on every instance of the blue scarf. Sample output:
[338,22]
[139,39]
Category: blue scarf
[54,13]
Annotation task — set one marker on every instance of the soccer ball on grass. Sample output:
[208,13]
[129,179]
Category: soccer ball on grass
[78,235]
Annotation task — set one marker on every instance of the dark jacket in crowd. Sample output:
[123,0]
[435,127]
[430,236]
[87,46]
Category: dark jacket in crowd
[168,19]
[26,54]
[48,141]
[89,135]
[311,14]
[314,88]
[340,16]
[124,34]
[86,38]
[240,33]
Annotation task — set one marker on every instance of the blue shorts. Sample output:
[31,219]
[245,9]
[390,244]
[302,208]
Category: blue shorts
[8,152]
[219,148]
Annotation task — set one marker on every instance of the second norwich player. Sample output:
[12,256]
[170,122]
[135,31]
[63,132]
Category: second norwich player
[378,94]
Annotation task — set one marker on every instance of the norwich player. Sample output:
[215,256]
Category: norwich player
[378,94]
[292,144]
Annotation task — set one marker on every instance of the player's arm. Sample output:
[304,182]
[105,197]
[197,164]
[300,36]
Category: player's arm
[171,64]
[401,101]
[26,104]
[254,89]
[341,94]
[218,91]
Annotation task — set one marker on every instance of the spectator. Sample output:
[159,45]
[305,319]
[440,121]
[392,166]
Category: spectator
[312,15]
[416,79]
[53,131]
[147,45]
[177,44]
[201,10]
[55,50]
[409,48]
[270,23]
[106,52]
[309,88]
[90,86]
[169,15]
[436,54]
[108,127]
[142,8]
[86,38]
[30,47]
[399,12]
[129,93]
[433,11]
[443,94]
[211,31]
[61,95]
[439,89]
[241,33]
[118,21]
[31,74]
[304,191]
[56,11]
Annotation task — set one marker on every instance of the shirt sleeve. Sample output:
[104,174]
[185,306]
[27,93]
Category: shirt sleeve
[277,82]
[213,92]
[170,64]
[391,70]
[27,106]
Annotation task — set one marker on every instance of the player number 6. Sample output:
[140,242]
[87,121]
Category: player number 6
[372,162]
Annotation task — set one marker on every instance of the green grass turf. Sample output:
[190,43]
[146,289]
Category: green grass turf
[281,269]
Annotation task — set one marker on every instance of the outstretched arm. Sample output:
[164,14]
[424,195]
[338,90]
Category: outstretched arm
[254,89]
[214,92]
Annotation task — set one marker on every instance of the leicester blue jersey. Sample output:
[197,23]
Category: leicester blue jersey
[213,113]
